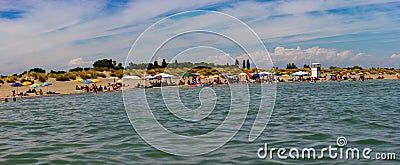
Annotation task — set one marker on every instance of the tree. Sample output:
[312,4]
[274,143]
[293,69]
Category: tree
[306,66]
[119,66]
[291,66]
[77,69]
[244,64]
[164,64]
[248,64]
[105,63]
[38,70]
[237,63]
[156,64]
[150,66]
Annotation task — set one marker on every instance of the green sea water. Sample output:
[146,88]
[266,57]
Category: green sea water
[95,129]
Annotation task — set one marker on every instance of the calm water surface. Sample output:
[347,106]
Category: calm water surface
[94,129]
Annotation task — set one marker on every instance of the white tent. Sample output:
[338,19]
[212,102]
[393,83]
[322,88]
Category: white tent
[164,75]
[264,73]
[131,77]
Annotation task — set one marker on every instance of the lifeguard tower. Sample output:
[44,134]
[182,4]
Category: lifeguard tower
[316,70]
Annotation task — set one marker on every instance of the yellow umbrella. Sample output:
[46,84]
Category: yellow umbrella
[215,76]
[204,76]
[242,74]
[78,80]
[26,83]
[96,80]
[119,81]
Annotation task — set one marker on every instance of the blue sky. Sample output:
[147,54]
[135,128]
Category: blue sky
[60,35]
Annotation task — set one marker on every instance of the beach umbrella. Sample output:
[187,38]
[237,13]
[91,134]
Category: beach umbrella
[78,80]
[35,85]
[131,77]
[87,81]
[96,80]
[188,75]
[256,75]
[26,83]
[119,81]
[46,84]
[250,76]
[16,85]
[215,76]
[242,74]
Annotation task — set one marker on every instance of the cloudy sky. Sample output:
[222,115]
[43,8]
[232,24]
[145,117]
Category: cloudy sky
[60,35]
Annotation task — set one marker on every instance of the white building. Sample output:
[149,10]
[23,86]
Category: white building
[316,70]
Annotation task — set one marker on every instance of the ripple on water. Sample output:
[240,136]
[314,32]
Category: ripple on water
[94,129]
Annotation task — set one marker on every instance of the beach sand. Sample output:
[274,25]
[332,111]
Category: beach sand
[68,87]
[62,87]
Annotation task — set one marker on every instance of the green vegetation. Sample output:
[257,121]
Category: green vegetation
[107,67]
[106,64]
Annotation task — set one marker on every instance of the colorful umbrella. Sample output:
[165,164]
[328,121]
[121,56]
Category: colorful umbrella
[46,84]
[35,85]
[188,75]
[96,80]
[87,81]
[26,83]
[16,85]
[78,80]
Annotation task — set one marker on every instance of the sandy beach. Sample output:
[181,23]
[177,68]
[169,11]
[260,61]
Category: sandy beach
[68,87]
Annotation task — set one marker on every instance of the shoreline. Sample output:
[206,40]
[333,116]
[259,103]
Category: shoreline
[80,92]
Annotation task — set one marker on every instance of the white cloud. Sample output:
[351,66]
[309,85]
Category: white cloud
[62,30]
[395,56]
[79,62]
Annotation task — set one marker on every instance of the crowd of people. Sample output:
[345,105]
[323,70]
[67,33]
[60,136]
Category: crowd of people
[96,89]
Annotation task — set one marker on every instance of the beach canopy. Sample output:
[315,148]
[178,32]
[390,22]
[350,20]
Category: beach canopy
[188,75]
[131,77]
[300,73]
[16,85]
[264,73]
[163,75]
[35,85]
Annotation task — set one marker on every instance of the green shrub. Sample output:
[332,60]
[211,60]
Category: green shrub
[102,75]
[62,77]
[11,79]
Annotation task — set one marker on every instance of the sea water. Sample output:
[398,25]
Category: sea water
[95,129]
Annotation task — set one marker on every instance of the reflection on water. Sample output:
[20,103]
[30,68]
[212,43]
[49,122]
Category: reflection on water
[95,128]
